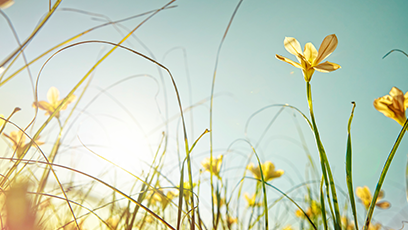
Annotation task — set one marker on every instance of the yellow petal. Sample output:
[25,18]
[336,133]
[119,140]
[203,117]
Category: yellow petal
[326,67]
[43,105]
[310,52]
[53,96]
[327,47]
[383,204]
[1,121]
[287,60]
[6,3]
[406,101]
[292,46]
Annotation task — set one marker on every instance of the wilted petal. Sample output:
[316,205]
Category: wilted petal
[327,47]
[292,46]
[310,52]
[6,3]
[53,96]
[326,67]
[287,60]
[383,204]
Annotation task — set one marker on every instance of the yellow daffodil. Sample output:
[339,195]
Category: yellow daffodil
[393,105]
[6,3]
[53,102]
[364,194]
[251,200]
[19,138]
[216,165]
[268,169]
[310,59]
[312,211]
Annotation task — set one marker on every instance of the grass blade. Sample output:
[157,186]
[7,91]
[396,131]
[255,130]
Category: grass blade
[383,174]
[349,169]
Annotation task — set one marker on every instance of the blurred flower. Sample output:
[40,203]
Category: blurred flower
[346,223]
[312,211]
[216,165]
[364,194]
[287,227]
[251,200]
[20,211]
[19,138]
[268,169]
[393,105]
[310,60]
[53,102]
[5,4]
[187,193]
[162,198]
[231,221]
[219,199]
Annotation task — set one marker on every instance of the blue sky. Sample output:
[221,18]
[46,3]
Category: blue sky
[249,77]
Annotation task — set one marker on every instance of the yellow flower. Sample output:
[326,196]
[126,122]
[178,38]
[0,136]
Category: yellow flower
[54,102]
[216,165]
[231,221]
[163,199]
[393,105]
[251,200]
[312,211]
[347,224]
[19,138]
[310,60]
[6,3]
[364,194]
[268,169]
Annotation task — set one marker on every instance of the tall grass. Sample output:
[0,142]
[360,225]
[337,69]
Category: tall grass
[38,191]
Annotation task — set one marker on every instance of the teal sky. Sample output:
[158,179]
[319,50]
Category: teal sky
[249,77]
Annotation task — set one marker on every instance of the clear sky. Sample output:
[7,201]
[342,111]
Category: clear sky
[249,77]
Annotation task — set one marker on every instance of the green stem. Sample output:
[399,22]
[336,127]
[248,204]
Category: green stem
[327,174]
[383,174]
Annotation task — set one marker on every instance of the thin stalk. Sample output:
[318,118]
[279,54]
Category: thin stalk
[383,174]
[349,169]
[324,161]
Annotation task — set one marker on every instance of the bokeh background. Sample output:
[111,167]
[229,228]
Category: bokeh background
[126,122]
